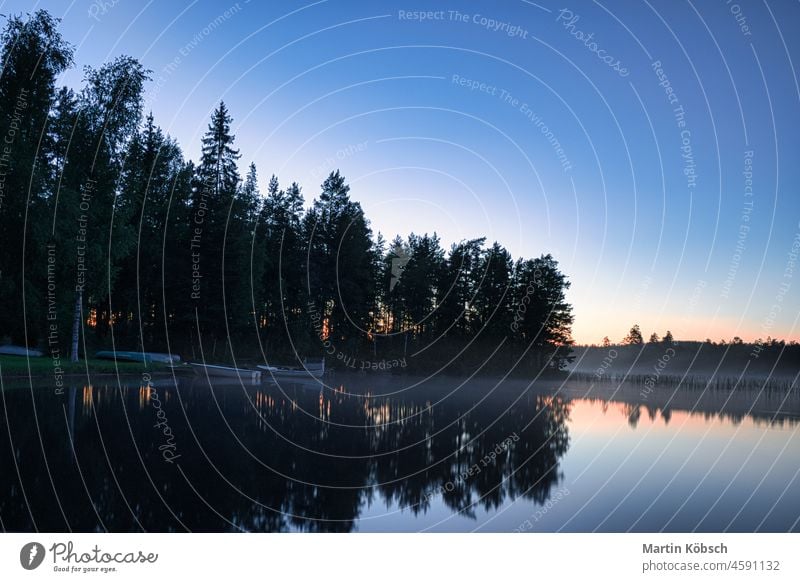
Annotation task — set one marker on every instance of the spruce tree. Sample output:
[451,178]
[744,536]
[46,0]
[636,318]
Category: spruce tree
[216,184]
[341,256]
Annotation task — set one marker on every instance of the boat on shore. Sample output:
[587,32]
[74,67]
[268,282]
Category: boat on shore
[307,370]
[144,357]
[215,371]
[20,351]
[162,358]
[122,356]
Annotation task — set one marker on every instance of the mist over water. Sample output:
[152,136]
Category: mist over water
[387,453]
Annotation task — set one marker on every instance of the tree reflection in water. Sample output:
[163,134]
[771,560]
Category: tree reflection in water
[269,458]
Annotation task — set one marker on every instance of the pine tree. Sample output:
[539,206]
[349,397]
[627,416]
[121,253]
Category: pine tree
[416,289]
[634,337]
[492,303]
[544,325]
[456,288]
[282,308]
[390,278]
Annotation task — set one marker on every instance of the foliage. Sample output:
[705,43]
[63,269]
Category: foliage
[634,337]
[130,245]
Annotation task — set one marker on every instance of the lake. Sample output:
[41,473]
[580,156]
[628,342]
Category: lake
[393,453]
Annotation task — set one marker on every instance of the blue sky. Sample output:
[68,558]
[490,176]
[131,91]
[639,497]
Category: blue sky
[504,121]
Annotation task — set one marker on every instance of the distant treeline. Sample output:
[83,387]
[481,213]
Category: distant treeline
[109,236]
[659,360]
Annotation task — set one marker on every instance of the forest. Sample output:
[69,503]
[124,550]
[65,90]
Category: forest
[689,361]
[111,237]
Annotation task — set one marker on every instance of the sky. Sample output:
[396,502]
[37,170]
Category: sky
[651,147]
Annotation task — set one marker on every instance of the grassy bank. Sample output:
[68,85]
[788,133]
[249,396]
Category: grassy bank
[22,366]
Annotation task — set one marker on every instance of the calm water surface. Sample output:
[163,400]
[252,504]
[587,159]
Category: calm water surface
[383,453]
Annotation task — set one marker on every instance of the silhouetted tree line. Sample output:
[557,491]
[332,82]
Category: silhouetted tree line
[634,337]
[683,359]
[110,236]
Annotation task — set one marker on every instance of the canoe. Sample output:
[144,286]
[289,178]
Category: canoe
[225,372]
[315,370]
[163,358]
[20,351]
[144,357]
[123,356]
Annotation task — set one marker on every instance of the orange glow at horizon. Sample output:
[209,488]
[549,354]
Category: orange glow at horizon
[698,329]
